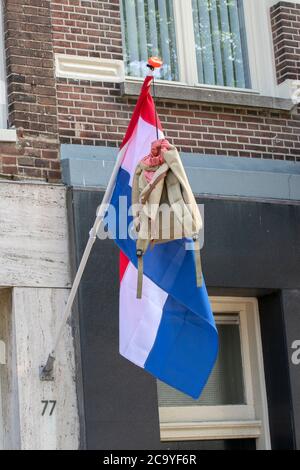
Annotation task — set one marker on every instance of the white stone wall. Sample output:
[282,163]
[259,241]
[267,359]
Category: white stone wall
[34,287]
[33,235]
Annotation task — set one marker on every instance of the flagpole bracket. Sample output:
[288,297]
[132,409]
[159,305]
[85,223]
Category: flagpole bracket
[47,370]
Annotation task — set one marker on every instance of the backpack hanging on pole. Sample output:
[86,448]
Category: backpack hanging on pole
[164,207]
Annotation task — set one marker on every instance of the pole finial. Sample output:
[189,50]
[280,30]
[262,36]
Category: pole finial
[154,63]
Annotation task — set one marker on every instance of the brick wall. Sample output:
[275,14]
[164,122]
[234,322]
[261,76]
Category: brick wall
[90,113]
[89,28]
[48,111]
[94,114]
[31,91]
[285,18]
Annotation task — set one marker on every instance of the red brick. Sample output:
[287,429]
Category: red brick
[31,86]
[286,26]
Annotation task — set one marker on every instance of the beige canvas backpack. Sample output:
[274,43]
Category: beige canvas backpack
[164,207]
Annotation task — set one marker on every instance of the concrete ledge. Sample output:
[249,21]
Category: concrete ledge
[87,166]
[89,68]
[209,95]
[8,135]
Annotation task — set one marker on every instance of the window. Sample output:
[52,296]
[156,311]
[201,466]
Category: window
[204,43]
[3,100]
[220,390]
[220,42]
[149,30]
[233,403]
[213,29]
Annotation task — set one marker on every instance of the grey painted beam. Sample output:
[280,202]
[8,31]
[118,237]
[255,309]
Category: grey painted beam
[87,166]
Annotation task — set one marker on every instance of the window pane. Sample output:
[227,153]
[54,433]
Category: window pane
[149,30]
[225,385]
[220,43]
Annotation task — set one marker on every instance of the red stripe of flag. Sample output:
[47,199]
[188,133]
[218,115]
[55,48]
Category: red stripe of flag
[145,109]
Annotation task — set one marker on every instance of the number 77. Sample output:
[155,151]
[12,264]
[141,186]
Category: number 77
[46,403]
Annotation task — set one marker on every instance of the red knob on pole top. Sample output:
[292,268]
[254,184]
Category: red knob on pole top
[155,62]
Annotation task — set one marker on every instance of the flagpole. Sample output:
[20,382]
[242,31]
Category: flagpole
[46,370]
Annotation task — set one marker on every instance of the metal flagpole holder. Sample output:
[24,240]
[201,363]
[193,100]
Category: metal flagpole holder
[47,370]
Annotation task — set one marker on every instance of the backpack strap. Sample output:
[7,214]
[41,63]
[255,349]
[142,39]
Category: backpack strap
[158,175]
[198,261]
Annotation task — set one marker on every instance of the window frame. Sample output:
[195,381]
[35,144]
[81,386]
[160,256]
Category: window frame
[184,27]
[228,421]
[261,61]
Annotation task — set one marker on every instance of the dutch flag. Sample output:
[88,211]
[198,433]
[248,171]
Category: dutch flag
[171,331]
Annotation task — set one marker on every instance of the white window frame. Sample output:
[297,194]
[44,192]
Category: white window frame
[228,421]
[259,45]
[184,26]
